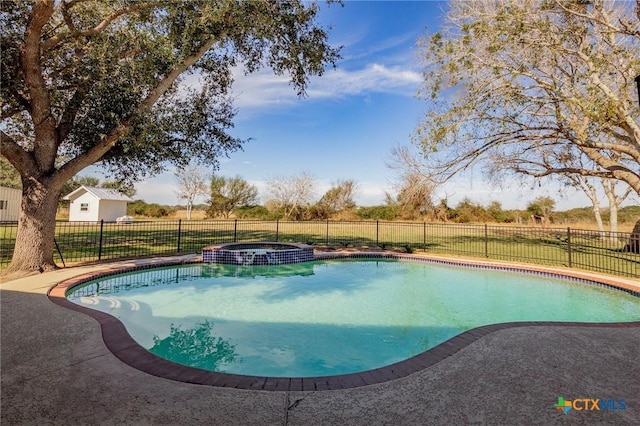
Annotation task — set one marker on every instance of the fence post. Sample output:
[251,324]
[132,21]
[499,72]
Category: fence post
[486,242]
[100,242]
[569,246]
[326,241]
[377,232]
[179,233]
[235,230]
[59,252]
[277,229]
[424,236]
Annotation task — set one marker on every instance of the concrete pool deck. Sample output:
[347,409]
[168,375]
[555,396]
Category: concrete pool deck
[56,369]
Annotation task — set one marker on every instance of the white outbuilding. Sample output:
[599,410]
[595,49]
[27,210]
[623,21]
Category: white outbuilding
[90,204]
[9,204]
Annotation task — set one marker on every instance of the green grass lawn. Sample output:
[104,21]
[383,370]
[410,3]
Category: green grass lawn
[79,242]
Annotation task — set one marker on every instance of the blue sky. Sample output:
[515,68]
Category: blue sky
[352,117]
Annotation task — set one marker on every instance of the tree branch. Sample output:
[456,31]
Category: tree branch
[24,103]
[68,116]
[563,171]
[626,29]
[96,152]
[57,39]
[43,122]
[171,77]
[22,160]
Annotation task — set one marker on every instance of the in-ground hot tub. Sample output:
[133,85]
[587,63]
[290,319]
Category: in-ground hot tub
[257,253]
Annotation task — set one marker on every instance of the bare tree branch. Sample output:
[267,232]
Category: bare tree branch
[536,88]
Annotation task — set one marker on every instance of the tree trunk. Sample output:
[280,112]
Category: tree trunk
[634,241]
[609,189]
[596,213]
[584,184]
[613,218]
[36,229]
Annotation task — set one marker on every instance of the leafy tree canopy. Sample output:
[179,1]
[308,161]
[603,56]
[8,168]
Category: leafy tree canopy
[132,85]
[113,80]
[339,197]
[9,176]
[228,194]
[542,206]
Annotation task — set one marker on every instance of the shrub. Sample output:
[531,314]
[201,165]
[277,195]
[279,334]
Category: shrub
[140,208]
[255,212]
[377,212]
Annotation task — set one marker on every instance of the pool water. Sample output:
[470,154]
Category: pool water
[331,317]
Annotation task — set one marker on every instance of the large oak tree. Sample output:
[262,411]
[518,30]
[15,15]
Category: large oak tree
[133,85]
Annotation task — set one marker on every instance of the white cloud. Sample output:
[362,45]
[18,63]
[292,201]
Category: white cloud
[384,45]
[263,189]
[264,89]
[158,190]
[373,78]
[370,193]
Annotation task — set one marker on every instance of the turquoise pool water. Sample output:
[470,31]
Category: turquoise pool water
[330,317]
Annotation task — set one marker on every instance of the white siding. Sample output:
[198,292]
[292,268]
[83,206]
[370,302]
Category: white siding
[110,210]
[78,214]
[88,204]
[10,204]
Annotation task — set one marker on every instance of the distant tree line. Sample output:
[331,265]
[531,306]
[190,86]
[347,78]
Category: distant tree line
[293,197]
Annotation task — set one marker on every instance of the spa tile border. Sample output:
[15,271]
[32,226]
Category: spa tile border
[231,253]
[122,345]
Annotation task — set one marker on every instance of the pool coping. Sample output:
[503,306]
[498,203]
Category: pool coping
[122,345]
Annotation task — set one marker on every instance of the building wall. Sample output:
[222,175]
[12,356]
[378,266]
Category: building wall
[96,209]
[77,212]
[110,210]
[10,204]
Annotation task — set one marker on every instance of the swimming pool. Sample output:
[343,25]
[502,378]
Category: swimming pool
[331,317]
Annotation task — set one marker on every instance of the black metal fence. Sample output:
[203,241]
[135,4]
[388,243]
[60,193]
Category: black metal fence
[79,242]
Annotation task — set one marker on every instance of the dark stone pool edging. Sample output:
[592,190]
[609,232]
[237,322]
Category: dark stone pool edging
[122,345]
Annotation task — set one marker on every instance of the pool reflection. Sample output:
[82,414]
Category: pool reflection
[197,347]
[182,274]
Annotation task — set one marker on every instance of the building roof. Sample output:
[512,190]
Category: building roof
[100,193]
